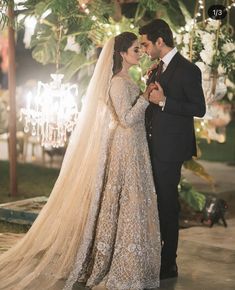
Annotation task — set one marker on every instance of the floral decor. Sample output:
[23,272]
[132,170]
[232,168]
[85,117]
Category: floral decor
[210,46]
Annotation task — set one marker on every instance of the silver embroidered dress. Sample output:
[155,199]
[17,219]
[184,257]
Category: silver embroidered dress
[101,220]
[127,240]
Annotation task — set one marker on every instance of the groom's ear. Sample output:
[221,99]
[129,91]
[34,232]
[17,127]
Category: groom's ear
[159,41]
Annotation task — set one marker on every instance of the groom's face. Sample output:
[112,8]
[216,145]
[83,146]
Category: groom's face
[151,49]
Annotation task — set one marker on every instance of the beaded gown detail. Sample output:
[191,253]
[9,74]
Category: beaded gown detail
[127,238]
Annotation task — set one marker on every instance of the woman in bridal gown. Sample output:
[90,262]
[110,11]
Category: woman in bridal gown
[101,220]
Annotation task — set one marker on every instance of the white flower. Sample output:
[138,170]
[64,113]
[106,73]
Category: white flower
[186,38]
[203,67]
[179,38]
[72,45]
[206,56]
[221,69]
[185,51]
[230,96]
[213,24]
[228,47]
[209,45]
[208,40]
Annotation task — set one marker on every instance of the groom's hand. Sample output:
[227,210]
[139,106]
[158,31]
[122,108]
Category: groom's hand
[156,96]
[149,89]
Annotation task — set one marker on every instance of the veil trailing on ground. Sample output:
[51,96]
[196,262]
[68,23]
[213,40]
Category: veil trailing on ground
[53,251]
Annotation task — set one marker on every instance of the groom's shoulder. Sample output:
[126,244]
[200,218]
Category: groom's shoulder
[186,64]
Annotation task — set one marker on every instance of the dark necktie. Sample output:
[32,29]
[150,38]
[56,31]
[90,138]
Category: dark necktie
[159,70]
[155,73]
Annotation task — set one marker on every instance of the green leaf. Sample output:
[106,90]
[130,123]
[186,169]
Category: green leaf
[184,11]
[74,63]
[192,197]
[45,51]
[150,5]
[4,20]
[175,15]
[41,7]
[198,170]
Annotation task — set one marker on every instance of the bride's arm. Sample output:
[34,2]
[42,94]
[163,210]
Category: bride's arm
[127,113]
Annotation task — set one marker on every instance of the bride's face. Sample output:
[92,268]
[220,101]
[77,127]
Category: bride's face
[133,54]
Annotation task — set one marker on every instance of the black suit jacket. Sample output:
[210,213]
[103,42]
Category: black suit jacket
[172,130]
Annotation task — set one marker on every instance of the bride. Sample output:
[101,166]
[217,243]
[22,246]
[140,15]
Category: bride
[101,220]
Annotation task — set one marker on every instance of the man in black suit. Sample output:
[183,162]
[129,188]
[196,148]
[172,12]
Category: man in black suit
[178,97]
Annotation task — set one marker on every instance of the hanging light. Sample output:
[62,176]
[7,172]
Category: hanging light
[51,113]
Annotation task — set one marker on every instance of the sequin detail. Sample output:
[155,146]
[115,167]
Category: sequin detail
[124,248]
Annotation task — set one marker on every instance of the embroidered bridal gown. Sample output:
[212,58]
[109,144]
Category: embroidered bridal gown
[101,220]
[127,239]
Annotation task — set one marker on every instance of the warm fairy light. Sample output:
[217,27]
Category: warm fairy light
[52,113]
[87,11]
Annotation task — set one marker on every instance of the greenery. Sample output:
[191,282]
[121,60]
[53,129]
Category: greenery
[224,152]
[88,25]
[3,17]
[32,181]
[195,199]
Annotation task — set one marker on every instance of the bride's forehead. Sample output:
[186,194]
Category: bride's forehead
[136,43]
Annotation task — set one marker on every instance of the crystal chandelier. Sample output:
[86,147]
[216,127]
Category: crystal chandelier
[53,113]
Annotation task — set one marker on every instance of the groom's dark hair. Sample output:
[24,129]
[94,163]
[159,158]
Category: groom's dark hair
[158,28]
[122,42]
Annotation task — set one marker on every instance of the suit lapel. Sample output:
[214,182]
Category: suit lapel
[167,74]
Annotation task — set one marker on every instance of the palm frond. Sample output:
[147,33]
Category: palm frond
[4,20]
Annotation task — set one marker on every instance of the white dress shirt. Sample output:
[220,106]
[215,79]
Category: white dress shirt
[166,60]
[168,57]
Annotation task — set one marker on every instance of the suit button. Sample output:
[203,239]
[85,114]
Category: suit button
[150,135]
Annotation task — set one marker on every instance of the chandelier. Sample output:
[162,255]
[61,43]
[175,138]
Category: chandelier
[52,114]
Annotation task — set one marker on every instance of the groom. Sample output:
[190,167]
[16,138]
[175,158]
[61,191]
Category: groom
[178,97]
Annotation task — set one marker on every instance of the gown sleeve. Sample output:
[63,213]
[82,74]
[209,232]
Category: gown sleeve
[127,113]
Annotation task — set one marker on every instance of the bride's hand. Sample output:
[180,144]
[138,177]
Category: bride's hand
[149,89]
[149,71]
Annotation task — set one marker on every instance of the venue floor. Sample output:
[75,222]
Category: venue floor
[206,256]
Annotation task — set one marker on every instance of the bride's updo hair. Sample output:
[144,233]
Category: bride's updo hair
[122,42]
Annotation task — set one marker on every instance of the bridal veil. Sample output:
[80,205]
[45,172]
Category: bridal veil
[51,255]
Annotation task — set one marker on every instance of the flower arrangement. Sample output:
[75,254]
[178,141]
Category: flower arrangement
[210,46]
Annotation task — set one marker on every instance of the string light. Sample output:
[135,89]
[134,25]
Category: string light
[198,14]
[87,11]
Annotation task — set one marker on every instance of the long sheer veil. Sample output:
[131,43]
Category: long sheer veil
[54,250]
